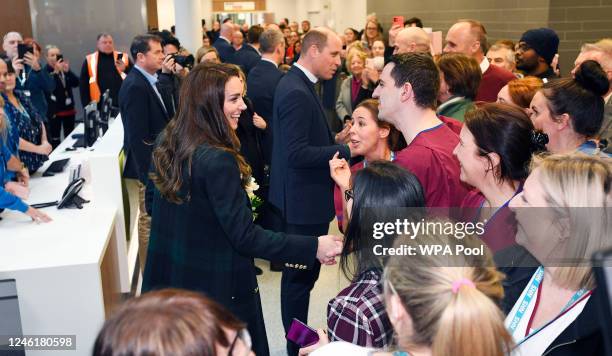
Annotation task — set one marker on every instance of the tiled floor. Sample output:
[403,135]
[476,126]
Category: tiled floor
[329,284]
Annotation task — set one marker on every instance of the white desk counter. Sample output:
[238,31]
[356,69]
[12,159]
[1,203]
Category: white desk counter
[71,271]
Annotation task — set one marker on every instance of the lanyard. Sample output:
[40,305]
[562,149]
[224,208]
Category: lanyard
[392,158]
[534,287]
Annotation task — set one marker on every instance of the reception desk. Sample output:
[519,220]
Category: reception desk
[72,271]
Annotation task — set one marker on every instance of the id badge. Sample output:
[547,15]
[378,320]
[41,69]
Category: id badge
[27,93]
[68,101]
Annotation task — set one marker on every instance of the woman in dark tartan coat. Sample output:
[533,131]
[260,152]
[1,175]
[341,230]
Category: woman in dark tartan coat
[202,232]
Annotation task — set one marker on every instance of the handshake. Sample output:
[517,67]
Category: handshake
[329,247]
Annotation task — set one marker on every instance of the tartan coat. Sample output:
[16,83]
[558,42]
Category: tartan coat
[208,242]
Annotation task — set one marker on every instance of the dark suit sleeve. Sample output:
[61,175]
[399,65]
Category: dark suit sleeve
[135,112]
[72,81]
[228,200]
[295,119]
[84,84]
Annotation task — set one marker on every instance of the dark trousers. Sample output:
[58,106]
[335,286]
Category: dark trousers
[296,284]
[55,128]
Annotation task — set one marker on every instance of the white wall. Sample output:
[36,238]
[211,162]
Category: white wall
[339,14]
[165,13]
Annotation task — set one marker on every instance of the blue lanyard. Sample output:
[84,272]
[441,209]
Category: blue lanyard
[392,158]
[533,288]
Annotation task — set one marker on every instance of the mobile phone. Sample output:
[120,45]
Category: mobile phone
[119,56]
[22,49]
[59,57]
[398,20]
[302,334]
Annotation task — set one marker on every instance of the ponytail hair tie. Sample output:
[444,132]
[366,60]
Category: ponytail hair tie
[462,282]
[538,141]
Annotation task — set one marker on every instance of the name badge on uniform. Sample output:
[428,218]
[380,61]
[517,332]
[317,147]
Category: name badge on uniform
[68,101]
[27,93]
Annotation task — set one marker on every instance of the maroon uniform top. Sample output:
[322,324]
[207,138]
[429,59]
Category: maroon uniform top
[430,158]
[500,228]
[493,79]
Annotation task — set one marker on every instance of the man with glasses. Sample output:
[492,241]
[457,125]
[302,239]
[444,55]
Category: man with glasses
[535,53]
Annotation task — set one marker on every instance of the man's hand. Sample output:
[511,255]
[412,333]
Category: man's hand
[168,65]
[65,65]
[32,60]
[329,247]
[343,136]
[259,122]
[17,65]
[393,31]
[120,64]
[323,340]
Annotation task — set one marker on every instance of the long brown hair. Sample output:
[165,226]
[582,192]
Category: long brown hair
[199,120]
[395,140]
[167,322]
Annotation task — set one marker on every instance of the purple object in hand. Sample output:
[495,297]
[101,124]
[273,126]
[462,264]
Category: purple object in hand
[302,334]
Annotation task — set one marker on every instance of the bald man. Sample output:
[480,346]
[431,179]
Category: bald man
[412,39]
[223,44]
[301,188]
[470,38]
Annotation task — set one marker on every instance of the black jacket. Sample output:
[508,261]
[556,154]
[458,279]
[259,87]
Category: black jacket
[144,117]
[225,49]
[207,244]
[63,90]
[107,76]
[261,84]
[247,58]
[582,337]
[300,184]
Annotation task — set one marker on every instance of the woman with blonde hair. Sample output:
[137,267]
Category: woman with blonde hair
[563,216]
[207,54]
[439,304]
[355,88]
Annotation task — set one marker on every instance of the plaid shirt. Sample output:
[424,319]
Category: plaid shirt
[357,315]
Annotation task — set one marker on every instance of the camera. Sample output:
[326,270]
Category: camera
[184,61]
[59,57]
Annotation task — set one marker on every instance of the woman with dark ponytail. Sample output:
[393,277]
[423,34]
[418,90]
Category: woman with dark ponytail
[494,151]
[570,110]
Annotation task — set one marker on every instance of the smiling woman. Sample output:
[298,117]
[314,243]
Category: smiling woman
[202,232]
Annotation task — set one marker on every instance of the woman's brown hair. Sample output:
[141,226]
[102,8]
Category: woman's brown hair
[395,139]
[522,90]
[462,74]
[199,120]
[166,322]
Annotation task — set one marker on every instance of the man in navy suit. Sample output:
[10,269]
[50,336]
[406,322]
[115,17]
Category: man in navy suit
[144,116]
[262,82]
[301,187]
[223,44]
[248,55]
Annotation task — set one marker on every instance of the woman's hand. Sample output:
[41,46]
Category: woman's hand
[259,122]
[343,136]
[23,176]
[340,172]
[323,340]
[44,148]
[37,215]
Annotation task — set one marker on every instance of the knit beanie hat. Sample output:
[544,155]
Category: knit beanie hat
[544,41]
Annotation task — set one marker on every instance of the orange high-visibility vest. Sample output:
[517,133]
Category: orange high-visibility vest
[92,68]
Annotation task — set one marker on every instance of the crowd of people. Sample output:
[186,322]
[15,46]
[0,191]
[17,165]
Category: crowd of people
[342,125]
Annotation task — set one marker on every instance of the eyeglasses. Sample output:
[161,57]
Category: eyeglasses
[348,195]
[245,337]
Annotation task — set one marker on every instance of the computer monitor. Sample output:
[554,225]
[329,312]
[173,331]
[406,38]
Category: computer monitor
[105,112]
[92,117]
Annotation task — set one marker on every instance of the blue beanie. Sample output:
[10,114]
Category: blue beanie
[544,41]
